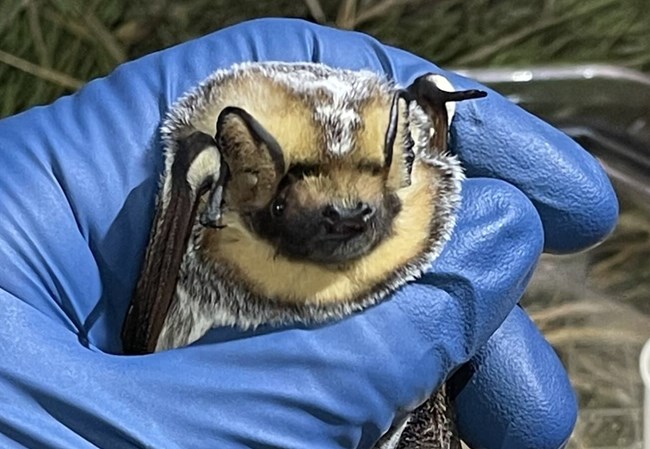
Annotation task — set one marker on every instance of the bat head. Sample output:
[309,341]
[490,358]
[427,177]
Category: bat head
[339,186]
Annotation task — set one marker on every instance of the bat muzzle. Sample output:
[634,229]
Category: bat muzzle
[342,223]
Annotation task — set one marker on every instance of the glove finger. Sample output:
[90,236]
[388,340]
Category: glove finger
[519,395]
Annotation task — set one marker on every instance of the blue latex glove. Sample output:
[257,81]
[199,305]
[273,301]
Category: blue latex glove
[76,199]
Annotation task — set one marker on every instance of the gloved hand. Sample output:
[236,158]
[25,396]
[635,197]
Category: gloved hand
[76,199]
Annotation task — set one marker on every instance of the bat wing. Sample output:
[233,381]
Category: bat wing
[196,169]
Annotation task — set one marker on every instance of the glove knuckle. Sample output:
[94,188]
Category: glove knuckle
[515,217]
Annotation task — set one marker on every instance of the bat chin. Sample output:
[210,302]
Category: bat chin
[335,253]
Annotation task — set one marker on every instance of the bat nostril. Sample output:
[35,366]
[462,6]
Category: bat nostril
[331,212]
[366,210]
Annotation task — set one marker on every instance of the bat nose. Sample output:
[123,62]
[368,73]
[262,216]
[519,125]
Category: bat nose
[362,211]
[343,220]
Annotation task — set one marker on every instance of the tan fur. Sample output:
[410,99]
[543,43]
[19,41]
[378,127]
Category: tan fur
[371,137]
[341,185]
[335,120]
[276,277]
[256,261]
[300,142]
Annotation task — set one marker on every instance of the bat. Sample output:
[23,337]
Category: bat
[298,193]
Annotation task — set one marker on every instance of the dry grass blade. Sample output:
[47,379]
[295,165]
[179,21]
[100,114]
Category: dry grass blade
[9,16]
[568,310]
[47,74]
[37,34]
[593,335]
[346,17]
[73,26]
[378,10]
[103,36]
[316,10]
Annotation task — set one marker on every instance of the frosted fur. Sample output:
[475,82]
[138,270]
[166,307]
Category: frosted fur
[209,296]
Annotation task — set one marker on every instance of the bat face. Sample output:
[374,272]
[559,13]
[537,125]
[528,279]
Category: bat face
[328,214]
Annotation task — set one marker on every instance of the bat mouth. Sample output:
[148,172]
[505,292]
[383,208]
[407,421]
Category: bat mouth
[334,248]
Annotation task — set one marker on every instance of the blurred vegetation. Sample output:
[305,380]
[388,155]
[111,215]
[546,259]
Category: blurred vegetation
[51,47]
[593,308]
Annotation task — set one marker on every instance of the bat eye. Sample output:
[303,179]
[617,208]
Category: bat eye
[277,208]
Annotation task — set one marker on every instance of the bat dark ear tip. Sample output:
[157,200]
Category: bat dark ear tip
[428,87]
[466,95]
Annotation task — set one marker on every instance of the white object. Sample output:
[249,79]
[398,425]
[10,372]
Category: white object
[644,365]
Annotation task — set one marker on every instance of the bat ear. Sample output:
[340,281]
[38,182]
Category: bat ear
[398,150]
[436,96]
[254,158]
